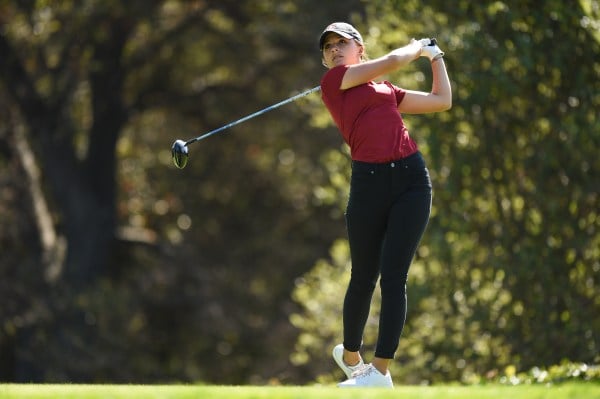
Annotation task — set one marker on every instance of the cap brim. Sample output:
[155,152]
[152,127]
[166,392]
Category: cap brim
[341,33]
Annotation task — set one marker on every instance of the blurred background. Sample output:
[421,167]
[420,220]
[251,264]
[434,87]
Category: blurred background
[117,267]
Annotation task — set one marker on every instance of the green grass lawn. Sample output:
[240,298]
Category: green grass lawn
[64,391]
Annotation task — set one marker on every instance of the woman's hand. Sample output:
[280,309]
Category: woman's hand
[430,49]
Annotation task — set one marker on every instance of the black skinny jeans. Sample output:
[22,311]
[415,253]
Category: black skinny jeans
[388,210]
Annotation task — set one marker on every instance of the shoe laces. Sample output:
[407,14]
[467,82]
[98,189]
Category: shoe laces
[365,371]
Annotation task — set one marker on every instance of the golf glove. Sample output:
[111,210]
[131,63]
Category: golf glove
[430,49]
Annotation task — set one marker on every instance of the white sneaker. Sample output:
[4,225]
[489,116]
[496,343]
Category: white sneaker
[338,356]
[368,376]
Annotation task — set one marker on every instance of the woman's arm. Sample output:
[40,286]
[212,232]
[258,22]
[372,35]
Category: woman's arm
[439,99]
[364,72]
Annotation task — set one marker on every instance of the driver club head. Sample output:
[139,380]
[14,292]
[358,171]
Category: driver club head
[179,152]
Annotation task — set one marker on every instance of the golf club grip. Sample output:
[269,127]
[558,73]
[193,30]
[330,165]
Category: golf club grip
[257,113]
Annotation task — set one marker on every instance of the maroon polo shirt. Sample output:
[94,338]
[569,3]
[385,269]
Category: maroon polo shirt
[368,118]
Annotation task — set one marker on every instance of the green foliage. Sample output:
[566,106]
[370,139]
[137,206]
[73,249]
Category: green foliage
[561,373]
[169,274]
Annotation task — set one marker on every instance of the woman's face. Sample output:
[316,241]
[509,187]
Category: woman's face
[338,50]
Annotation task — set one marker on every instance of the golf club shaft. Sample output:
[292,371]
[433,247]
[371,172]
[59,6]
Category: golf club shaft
[262,111]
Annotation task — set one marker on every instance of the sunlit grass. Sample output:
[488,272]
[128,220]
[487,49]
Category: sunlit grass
[65,391]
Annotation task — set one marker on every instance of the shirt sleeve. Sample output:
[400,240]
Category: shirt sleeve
[332,80]
[400,93]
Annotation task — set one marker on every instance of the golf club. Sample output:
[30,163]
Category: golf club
[180,151]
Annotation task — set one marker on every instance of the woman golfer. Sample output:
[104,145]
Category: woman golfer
[390,190]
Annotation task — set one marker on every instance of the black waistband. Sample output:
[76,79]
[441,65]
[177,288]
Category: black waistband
[402,162]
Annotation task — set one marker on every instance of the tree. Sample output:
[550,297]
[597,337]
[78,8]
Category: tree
[142,266]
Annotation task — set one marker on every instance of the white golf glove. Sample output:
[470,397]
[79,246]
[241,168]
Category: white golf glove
[430,49]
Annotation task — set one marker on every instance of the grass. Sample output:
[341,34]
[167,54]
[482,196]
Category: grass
[66,391]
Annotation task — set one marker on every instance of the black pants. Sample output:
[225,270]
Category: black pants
[388,210]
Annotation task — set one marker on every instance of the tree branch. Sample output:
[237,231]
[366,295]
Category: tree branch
[53,245]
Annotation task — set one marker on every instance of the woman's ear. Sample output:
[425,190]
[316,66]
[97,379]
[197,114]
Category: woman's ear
[362,54]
